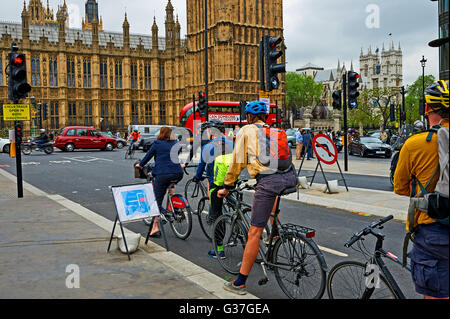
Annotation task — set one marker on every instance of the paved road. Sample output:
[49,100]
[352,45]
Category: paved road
[84,177]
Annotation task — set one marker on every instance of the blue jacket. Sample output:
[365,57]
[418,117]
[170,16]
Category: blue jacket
[164,152]
[209,153]
[306,138]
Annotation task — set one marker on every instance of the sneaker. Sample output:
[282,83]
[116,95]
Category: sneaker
[238,290]
[212,254]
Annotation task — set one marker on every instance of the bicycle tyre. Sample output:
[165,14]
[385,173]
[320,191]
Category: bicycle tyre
[234,238]
[181,221]
[194,192]
[355,285]
[305,267]
[206,224]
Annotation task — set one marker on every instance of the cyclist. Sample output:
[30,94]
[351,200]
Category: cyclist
[167,168]
[419,157]
[270,182]
[135,136]
[200,140]
[218,145]
[42,139]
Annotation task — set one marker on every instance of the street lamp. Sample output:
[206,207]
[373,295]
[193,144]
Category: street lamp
[422,62]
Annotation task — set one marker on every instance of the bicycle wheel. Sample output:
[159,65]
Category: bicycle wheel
[347,280]
[299,271]
[206,223]
[232,236]
[180,218]
[194,192]
[127,152]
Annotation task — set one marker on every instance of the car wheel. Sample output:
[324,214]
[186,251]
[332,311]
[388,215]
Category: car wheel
[388,155]
[6,148]
[119,145]
[109,147]
[69,147]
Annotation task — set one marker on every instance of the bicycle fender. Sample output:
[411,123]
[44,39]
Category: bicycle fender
[322,261]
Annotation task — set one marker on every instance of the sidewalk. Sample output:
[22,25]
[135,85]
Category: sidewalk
[43,238]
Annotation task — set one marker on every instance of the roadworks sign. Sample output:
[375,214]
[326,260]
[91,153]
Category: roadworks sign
[16,112]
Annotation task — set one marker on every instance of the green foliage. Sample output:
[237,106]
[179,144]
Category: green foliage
[4,132]
[301,90]
[413,96]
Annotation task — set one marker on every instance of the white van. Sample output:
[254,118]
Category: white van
[145,129]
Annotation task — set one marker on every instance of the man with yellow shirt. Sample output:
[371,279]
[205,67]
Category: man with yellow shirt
[419,157]
[271,178]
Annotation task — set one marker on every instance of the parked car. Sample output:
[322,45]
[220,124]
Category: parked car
[87,137]
[4,145]
[290,132]
[180,132]
[366,146]
[121,142]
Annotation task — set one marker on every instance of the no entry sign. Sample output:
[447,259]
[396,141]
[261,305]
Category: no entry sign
[325,149]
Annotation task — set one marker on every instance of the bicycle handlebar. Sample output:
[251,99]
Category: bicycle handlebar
[368,230]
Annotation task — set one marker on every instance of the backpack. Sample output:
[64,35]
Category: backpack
[436,203]
[273,145]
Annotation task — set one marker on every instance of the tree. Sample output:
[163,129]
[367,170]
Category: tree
[365,113]
[301,90]
[413,96]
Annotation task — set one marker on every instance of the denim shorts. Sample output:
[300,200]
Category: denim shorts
[266,192]
[429,260]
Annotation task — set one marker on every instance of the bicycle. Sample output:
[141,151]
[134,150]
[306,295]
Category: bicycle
[370,280]
[293,256]
[130,151]
[178,211]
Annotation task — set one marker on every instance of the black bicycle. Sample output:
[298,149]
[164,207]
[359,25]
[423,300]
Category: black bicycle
[298,264]
[129,153]
[369,280]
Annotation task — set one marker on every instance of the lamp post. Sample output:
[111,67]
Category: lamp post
[422,62]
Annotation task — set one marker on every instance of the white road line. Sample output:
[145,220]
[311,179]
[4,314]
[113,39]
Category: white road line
[332,251]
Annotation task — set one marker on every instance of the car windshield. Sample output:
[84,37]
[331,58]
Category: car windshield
[370,140]
[291,131]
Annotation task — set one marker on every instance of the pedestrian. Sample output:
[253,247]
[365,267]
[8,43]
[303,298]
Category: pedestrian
[299,142]
[118,134]
[418,162]
[307,141]
[383,136]
[165,170]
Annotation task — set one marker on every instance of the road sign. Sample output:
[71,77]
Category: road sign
[16,112]
[325,149]
[264,96]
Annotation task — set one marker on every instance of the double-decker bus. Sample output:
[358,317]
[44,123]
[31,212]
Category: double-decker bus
[227,112]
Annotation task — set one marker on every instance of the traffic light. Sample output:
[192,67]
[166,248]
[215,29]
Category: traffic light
[392,113]
[272,68]
[18,86]
[202,104]
[242,105]
[337,100]
[403,116]
[353,89]
[421,107]
[18,133]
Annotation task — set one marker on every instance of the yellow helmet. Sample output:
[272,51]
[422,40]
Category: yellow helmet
[436,95]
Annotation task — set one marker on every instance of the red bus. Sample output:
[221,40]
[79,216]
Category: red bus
[227,112]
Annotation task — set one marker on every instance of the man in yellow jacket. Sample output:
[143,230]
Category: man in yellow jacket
[419,157]
[271,181]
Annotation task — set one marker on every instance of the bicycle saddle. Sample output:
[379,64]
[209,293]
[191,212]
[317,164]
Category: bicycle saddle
[288,191]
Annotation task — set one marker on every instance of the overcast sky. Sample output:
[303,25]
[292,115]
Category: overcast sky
[316,31]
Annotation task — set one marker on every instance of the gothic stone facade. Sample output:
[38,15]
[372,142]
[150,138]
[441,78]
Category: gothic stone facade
[110,80]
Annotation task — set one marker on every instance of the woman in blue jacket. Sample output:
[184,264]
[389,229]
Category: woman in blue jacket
[167,168]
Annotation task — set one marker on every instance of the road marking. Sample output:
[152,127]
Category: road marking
[332,251]
[31,163]
[59,162]
[4,165]
[88,159]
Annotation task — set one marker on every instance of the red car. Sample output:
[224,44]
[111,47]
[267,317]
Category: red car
[72,137]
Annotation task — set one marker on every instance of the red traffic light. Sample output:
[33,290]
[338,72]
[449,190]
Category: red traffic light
[18,60]
[274,41]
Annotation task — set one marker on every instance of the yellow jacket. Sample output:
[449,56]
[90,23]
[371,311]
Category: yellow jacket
[245,150]
[420,158]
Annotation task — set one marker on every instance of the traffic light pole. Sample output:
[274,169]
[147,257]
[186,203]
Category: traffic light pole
[344,108]
[18,143]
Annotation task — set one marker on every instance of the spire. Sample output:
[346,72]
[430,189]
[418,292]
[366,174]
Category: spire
[154,35]
[125,22]
[339,66]
[351,66]
[399,48]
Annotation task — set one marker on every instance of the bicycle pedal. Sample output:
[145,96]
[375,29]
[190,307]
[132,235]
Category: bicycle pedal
[263,281]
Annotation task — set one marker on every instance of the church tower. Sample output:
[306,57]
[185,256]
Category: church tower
[91,15]
[235,28]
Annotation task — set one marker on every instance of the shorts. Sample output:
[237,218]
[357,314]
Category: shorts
[266,192]
[429,260]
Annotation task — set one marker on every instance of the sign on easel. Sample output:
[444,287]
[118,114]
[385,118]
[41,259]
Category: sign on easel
[133,202]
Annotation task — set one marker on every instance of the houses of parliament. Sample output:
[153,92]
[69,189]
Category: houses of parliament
[90,76]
